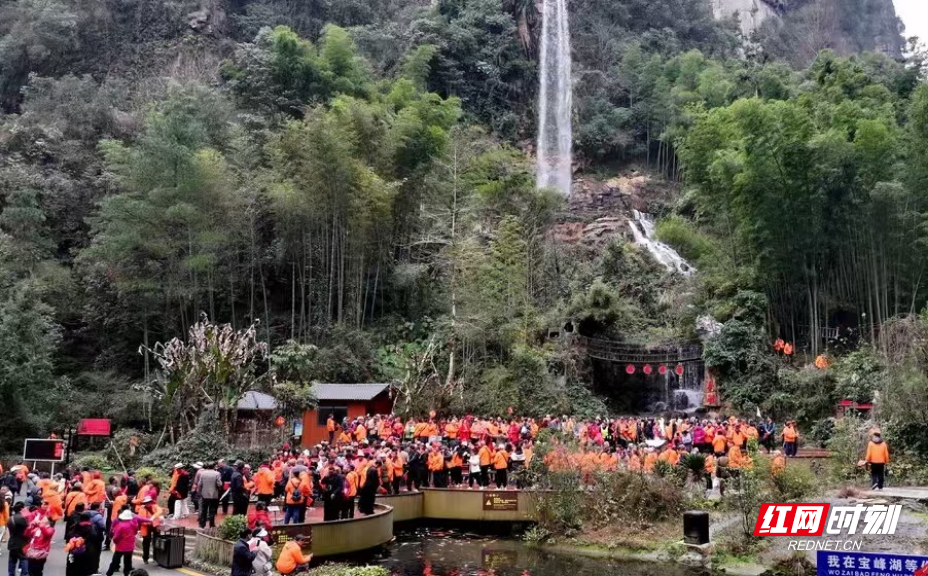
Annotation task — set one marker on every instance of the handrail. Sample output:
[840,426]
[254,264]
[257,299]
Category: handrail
[630,353]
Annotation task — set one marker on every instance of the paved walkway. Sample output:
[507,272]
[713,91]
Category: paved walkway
[57,561]
[904,493]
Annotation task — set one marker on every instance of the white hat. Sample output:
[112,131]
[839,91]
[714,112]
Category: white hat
[198,465]
[178,465]
[261,533]
[126,515]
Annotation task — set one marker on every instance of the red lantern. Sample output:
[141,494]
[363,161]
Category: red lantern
[630,369]
[662,369]
[647,369]
[279,421]
[679,369]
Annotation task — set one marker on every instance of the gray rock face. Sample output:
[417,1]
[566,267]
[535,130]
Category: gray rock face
[751,13]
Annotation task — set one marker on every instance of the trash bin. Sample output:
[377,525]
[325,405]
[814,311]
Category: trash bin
[169,548]
[696,527]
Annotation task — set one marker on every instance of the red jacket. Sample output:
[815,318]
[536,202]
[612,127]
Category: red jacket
[41,537]
[464,431]
[255,517]
[124,531]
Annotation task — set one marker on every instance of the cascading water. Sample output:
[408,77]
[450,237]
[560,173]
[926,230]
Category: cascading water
[554,131]
[643,231]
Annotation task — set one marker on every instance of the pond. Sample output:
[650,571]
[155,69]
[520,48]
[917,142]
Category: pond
[433,552]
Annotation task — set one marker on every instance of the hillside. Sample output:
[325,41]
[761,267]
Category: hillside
[798,29]
[351,183]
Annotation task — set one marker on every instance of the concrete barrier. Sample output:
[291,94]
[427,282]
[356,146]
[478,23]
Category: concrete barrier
[333,538]
[478,505]
[361,533]
[353,535]
[406,506]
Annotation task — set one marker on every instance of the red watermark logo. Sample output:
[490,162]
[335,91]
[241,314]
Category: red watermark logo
[791,520]
[805,520]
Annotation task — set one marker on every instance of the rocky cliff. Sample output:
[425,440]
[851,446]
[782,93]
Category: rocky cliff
[798,29]
[751,13]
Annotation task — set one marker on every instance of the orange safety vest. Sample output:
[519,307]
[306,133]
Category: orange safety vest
[352,479]
[501,460]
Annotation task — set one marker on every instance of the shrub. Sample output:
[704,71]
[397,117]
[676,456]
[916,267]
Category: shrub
[795,482]
[94,461]
[695,464]
[560,509]
[746,498]
[683,237]
[626,498]
[205,442]
[847,444]
[635,498]
[231,526]
[253,456]
[123,441]
[159,476]
[662,469]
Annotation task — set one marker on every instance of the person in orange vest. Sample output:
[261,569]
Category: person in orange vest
[291,559]
[95,490]
[330,427]
[877,458]
[790,439]
[264,483]
[436,465]
[455,468]
[352,481]
[451,431]
[73,498]
[778,464]
[501,466]
[669,455]
[650,460]
[737,460]
[739,438]
[709,469]
[419,431]
[399,468]
[431,429]
[485,454]
[294,500]
[360,432]
[383,429]
[51,497]
[719,443]
[151,511]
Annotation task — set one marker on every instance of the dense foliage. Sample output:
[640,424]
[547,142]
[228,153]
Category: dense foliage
[345,190]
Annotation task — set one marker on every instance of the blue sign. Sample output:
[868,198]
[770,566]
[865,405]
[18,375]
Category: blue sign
[832,563]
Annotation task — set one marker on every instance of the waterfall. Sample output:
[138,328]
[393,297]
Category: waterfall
[554,132]
[643,231]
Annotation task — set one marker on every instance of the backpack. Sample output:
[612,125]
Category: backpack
[294,494]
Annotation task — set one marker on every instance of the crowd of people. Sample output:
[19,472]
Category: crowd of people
[97,516]
[383,455]
[363,458]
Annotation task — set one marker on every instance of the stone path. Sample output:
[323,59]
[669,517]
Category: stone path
[57,561]
[903,493]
